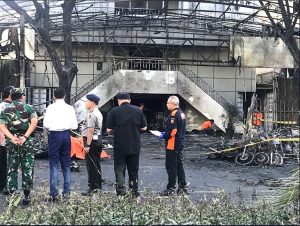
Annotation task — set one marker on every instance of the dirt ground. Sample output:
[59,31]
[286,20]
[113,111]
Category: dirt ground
[205,176]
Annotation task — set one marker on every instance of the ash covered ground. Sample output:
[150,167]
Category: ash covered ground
[205,176]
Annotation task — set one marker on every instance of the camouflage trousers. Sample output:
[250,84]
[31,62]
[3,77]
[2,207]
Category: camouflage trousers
[20,157]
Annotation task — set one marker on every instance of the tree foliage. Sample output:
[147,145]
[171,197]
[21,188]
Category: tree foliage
[66,72]
[286,27]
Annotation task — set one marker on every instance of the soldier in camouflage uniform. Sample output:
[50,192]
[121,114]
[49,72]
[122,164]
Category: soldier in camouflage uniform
[17,122]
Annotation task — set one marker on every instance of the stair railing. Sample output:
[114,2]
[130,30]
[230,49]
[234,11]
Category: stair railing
[98,79]
[211,91]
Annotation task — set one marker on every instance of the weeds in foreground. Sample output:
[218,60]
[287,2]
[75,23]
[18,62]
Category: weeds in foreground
[104,208]
[289,192]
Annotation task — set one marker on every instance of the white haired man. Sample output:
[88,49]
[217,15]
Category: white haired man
[174,137]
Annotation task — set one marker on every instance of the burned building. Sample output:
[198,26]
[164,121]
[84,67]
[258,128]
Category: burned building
[204,52]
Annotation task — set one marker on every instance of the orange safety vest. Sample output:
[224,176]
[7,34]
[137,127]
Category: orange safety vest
[171,140]
[206,125]
[257,117]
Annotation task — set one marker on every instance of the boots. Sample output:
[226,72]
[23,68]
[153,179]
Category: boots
[26,200]
[133,187]
[121,190]
[168,192]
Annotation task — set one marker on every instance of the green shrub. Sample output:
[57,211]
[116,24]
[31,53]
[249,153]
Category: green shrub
[289,191]
[108,209]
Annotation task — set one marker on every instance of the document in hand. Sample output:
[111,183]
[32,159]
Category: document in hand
[155,132]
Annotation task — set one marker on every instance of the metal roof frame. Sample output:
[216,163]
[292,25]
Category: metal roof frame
[248,20]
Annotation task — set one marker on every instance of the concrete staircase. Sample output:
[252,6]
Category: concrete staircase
[168,79]
[232,109]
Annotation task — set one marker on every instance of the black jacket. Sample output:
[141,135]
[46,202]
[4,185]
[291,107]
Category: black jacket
[126,120]
[175,130]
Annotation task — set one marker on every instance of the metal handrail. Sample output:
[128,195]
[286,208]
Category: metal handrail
[211,91]
[87,87]
[148,64]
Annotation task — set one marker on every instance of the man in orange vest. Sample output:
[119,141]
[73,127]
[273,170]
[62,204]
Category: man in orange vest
[174,137]
[257,119]
[207,124]
[206,127]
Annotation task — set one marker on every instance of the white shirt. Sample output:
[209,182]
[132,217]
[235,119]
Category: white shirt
[60,116]
[3,105]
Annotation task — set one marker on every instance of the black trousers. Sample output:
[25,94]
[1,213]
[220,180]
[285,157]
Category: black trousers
[122,161]
[174,167]
[3,167]
[93,165]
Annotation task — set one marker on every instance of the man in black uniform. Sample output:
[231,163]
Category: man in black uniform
[174,137]
[127,121]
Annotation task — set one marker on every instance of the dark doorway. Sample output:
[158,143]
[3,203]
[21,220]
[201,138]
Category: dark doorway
[155,109]
[145,51]
[247,102]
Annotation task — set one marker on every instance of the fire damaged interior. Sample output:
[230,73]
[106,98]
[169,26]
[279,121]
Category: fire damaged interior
[154,108]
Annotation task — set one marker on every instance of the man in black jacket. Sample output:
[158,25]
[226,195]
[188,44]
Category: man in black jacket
[126,121]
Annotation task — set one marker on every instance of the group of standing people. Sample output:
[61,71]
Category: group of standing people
[126,122]
[18,120]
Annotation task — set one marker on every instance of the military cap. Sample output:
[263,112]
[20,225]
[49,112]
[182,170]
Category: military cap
[123,96]
[93,97]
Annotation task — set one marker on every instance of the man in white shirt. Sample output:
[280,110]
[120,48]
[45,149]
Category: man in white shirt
[58,120]
[3,152]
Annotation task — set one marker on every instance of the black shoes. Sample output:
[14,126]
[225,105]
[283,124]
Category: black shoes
[172,191]
[90,192]
[66,195]
[9,192]
[182,190]
[52,198]
[75,167]
[136,194]
[121,192]
[26,200]
[168,192]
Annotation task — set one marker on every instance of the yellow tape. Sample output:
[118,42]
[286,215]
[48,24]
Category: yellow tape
[263,141]
[296,139]
[222,151]
[235,148]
